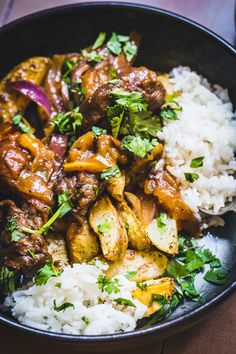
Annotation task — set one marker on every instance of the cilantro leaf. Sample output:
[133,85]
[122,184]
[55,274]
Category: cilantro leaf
[13,228]
[134,100]
[110,286]
[21,123]
[92,56]
[105,227]
[170,108]
[130,50]
[138,146]
[7,281]
[114,44]
[99,41]
[98,131]
[125,302]
[68,66]
[130,274]
[194,260]
[142,286]
[62,307]
[191,177]
[112,171]
[197,162]
[58,285]
[162,221]
[45,273]
[177,270]
[188,288]
[32,254]
[218,276]
[162,300]
[86,320]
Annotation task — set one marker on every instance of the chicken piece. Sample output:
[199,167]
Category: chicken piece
[82,242]
[140,265]
[26,166]
[57,249]
[137,236]
[164,287]
[137,79]
[11,102]
[107,224]
[28,252]
[162,185]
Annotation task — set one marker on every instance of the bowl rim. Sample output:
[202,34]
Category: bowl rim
[169,323]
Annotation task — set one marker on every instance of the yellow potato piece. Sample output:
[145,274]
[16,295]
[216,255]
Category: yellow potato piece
[143,265]
[57,249]
[166,238]
[115,187]
[138,238]
[163,286]
[107,224]
[11,102]
[82,242]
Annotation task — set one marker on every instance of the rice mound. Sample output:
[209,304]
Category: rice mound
[78,286]
[206,126]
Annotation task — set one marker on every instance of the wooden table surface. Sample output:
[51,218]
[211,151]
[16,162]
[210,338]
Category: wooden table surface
[216,335]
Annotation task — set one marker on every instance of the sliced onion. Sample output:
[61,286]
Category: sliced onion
[33,92]
[58,145]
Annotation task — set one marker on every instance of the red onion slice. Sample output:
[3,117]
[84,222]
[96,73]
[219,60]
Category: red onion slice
[33,92]
[58,145]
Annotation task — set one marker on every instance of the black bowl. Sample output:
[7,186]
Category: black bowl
[168,40]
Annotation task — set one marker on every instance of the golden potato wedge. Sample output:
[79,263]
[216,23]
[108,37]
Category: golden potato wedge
[143,265]
[163,286]
[82,242]
[134,203]
[11,102]
[57,249]
[107,224]
[115,187]
[137,236]
[165,238]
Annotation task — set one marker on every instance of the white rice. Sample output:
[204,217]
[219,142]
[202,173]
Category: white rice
[206,127]
[34,306]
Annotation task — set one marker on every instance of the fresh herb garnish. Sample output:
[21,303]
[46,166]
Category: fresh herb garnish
[130,274]
[105,227]
[113,74]
[32,254]
[92,56]
[13,228]
[110,286]
[58,285]
[138,146]
[114,45]
[162,221]
[98,131]
[86,320]
[118,43]
[124,302]
[96,190]
[170,108]
[191,177]
[112,171]
[188,287]
[68,66]
[162,300]
[197,162]
[19,121]
[45,273]
[62,307]
[99,41]
[134,100]
[218,276]
[7,281]
[68,123]
[142,286]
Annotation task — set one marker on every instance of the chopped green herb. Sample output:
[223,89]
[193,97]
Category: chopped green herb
[62,307]
[142,286]
[96,190]
[197,162]
[188,288]
[105,227]
[32,254]
[58,285]
[112,171]
[45,273]
[68,66]
[162,221]
[99,41]
[115,116]
[169,109]
[176,269]
[130,50]
[159,298]
[92,56]
[113,74]
[86,320]
[191,177]
[110,286]
[7,281]
[131,100]
[138,146]
[218,276]
[194,260]
[124,302]
[130,274]
[19,121]
[114,44]
[98,131]
[13,228]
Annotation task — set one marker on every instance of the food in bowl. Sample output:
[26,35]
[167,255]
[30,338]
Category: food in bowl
[103,169]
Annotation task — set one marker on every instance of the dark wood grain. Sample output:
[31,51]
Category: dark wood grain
[216,335]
